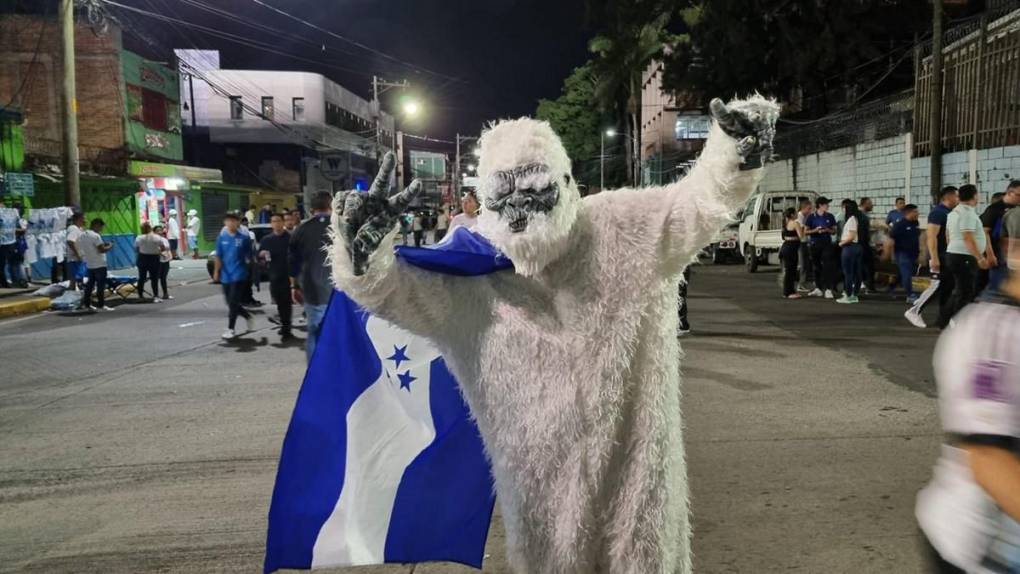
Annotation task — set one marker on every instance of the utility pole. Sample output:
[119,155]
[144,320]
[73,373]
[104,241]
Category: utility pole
[72,189]
[602,162]
[936,99]
[379,86]
[456,170]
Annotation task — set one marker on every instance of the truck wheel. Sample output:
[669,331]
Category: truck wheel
[751,258]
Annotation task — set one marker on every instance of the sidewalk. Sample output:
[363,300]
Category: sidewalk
[17,301]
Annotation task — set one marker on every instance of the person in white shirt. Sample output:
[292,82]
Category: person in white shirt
[852,253]
[148,247]
[173,232]
[73,264]
[970,511]
[93,250]
[194,224]
[469,216]
[165,257]
[966,246]
[442,224]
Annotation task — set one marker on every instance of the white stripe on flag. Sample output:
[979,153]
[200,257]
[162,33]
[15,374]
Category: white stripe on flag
[387,427]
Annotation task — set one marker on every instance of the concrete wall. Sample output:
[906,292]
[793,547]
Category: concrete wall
[885,170]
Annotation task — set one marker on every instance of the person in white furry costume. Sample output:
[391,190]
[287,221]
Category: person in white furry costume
[570,364]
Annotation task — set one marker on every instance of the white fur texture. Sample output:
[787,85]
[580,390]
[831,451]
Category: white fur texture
[571,366]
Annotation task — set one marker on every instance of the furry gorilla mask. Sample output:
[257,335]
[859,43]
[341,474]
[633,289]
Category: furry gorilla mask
[529,198]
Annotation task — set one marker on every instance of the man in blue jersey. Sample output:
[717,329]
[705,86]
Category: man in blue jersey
[233,256]
[935,234]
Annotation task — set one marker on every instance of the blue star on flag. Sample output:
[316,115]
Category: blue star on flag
[399,355]
[406,379]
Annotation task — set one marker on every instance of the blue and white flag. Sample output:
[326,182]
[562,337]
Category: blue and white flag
[382,462]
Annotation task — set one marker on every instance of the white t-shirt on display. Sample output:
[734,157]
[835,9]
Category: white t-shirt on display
[88,245]
[977,367]
[850,225]
[73,233]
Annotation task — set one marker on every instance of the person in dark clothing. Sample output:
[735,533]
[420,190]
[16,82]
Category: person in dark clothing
[683,326]
[233,256]
[820,226]
[992,219]
[274,252]
[904,247]
[942,284]
[793,235]
[965,253]
[864,239]
[311,282]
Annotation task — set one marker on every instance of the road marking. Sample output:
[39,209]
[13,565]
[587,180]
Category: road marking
[192,324]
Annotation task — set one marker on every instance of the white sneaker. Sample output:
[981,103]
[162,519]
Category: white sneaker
[816,293]
[169,297]
[829,294]
[157,300]
[229,334]
[105,308]
[92,308]
[251,324]
[915,318]
[845,300]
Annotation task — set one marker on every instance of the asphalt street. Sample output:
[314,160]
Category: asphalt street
[138,441]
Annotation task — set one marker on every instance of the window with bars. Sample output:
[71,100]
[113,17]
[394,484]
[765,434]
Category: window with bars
[267,107]
[236,108]
[298,109]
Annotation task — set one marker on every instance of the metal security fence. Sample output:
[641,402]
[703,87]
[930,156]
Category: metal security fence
[981,84]
[878,119]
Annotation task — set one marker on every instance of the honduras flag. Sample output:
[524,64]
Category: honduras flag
[382,462]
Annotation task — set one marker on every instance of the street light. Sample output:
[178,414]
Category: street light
[602,158]
[472,168]
[411,108]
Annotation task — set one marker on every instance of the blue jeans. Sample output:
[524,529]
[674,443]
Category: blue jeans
[853,262]
[906,263]
[314,314]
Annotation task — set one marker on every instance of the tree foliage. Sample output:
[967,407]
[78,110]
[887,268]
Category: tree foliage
[825,49]
[577,120]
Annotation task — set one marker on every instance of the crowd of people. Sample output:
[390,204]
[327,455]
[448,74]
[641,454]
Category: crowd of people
[835,256]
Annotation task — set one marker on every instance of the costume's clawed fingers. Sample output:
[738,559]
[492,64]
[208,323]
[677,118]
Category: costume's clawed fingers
[381,185]
[399,202]
[720,112]
[746,145]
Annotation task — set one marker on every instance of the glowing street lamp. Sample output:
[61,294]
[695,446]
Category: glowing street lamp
[411,108]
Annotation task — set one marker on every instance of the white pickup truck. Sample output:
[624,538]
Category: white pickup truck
[760,233]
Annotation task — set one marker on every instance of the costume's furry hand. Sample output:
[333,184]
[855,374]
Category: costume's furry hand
[366,218]
[752,122]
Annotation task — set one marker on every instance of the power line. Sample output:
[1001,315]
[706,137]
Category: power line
[354,42]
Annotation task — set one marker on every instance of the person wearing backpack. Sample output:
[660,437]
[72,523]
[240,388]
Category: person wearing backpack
[992,220]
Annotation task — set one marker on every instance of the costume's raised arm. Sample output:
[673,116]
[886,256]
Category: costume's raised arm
[365,268]
[727,172]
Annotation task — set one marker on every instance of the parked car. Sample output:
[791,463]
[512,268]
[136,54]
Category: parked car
[724,247]
[761,225]
[259,230]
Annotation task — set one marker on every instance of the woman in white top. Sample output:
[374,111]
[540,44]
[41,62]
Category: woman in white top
[148,247]
[469,216]
[165,257]
[852,253]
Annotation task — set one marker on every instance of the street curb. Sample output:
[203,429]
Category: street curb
[24,307]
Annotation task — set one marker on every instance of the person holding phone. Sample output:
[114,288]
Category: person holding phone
[93,251]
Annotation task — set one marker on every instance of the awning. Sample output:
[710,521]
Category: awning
[151,169]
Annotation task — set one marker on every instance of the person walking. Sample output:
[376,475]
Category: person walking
[173,233]
[165,257]
[897,213]
[72,260]
[793,237]
[311,282]
[942,283]
[148,246]
[820,226]
[194,224]
[418,229]
[93,251]
[274,252]
[903,247]
[992,220]
[442,224]
[852,254]
[965,253]
[970,511]
[230,269]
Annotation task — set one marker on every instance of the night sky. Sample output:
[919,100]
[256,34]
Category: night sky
[491,58]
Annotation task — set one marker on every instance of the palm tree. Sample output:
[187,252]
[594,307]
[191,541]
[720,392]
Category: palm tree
[622,56]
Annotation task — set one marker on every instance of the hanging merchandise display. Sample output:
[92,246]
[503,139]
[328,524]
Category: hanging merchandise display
[46,234]
[8,225]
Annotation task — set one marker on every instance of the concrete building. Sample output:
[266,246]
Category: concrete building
[297,132]
[673,129]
